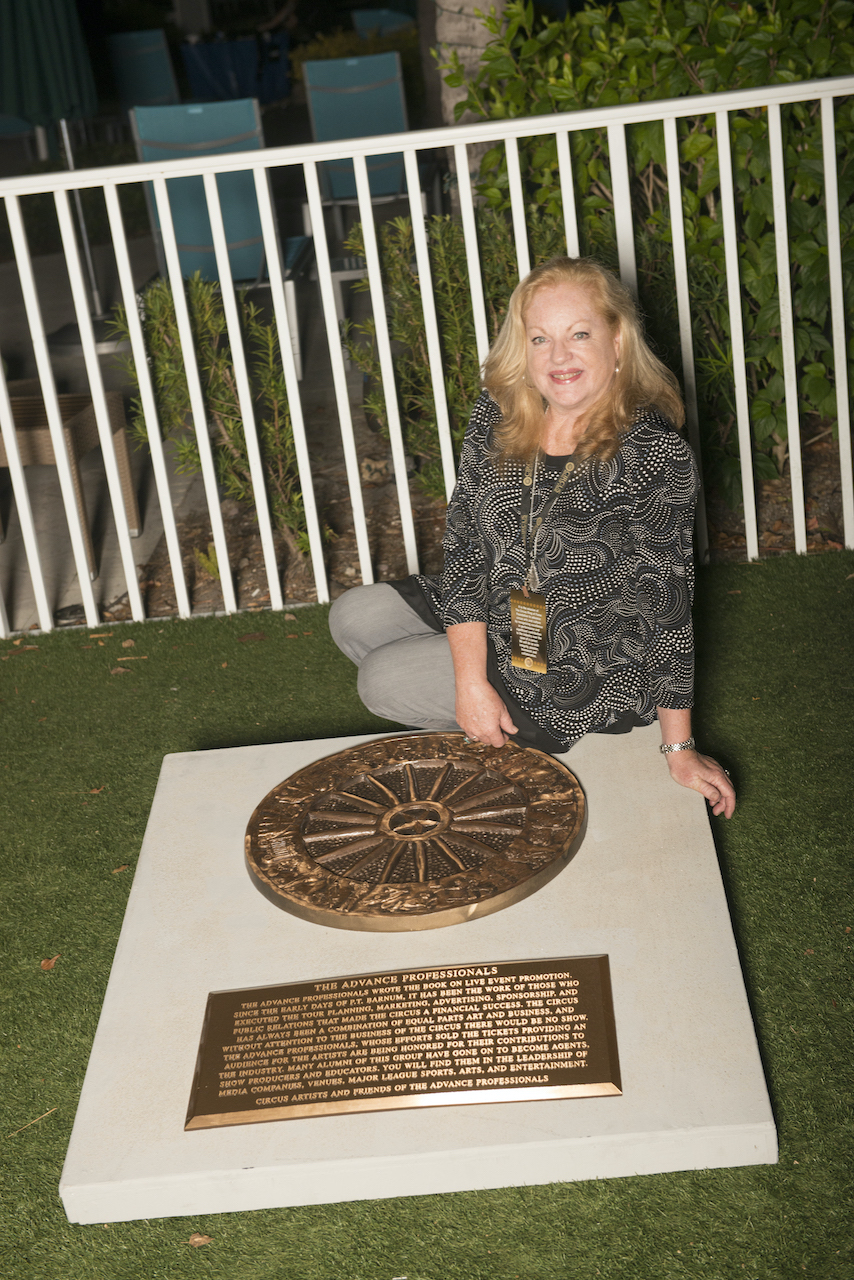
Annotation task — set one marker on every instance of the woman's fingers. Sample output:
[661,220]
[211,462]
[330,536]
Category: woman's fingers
[505,722]
[703,774]
[482,715]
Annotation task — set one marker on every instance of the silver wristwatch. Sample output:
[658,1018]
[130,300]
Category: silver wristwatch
[688,745]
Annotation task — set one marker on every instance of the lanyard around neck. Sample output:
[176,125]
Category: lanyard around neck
[530,528]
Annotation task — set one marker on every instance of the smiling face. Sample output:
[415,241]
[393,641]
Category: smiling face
[572,353]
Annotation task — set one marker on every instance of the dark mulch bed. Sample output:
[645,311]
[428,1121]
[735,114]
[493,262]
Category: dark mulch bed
[823,491]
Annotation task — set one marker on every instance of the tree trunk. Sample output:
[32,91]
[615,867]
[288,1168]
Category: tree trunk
[429,65]
[450,26]
[459,31]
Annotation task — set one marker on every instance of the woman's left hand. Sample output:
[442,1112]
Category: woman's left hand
[703,774]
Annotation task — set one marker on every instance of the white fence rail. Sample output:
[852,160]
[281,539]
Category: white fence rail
[456,141]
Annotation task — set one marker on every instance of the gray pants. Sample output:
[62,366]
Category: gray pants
[405,670]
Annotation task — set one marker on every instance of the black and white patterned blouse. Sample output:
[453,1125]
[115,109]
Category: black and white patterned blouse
[614,562]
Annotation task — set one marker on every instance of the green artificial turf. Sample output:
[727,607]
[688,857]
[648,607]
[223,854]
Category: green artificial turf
[80,752]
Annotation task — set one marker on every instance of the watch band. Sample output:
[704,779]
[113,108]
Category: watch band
[688,745]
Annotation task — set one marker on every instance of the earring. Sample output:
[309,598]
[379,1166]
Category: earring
[616,368]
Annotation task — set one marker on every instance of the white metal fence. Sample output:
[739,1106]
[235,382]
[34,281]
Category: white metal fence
[614,120]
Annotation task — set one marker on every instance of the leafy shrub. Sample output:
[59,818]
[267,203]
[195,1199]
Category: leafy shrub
[406,328]
[654,49]
[225,420]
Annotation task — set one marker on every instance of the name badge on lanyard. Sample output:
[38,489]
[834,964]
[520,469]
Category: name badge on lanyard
[528,627]
[528,646]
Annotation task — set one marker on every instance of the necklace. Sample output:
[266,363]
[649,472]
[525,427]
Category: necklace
[531,528]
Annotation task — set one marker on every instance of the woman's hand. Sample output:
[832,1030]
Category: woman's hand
[481,714]
[703,774]
[690,769]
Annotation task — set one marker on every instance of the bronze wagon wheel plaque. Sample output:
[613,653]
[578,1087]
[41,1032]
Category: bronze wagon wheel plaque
[415,832]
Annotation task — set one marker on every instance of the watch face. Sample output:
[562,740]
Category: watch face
[414,832]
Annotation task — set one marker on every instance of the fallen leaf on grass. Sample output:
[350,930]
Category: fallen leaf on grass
[135,657]
[48,964]
[13,653]
[292,617]
[96,791]
[120,671]
[225,664]
[197,1240]
[128,644]
[291,635]
[252,635]
[115,871]
[810,952]
[100,635]
[16,642]
[308,633]
[733,593]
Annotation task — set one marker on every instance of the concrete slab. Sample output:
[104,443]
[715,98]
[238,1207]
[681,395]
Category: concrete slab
[644,888]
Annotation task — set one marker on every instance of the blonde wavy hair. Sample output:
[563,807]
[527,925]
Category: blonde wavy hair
[642,381]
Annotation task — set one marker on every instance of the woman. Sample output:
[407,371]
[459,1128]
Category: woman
[565,603]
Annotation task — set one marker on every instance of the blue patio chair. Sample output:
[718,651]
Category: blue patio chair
[381,21]
[357,98]
[216,128]
[142,69]
[203,129]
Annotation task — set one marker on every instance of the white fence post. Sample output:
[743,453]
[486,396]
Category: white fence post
[481,330]
[146,396]
[837,311]
[25,513]
[622,192]
[244,391]
[395,431]
[683,308]
[99,401]
[51,404]
[787,325]
[280,310]
[194,387]
[339,373]
[517,207]
[431,323]
[736,329]
[567,193]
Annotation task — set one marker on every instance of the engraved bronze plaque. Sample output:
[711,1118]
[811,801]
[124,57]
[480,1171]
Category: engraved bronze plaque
[414,832]
[516,1032]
